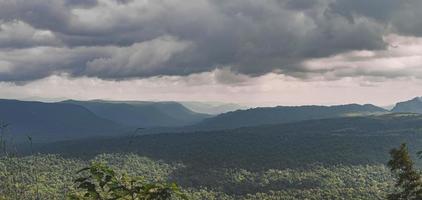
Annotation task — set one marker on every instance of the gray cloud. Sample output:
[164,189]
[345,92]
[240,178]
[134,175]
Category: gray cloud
[16,34]
[81,3]
[119,39]
[402,15]
[402,60]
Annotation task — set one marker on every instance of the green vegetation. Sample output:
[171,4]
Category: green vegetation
[339,141]
[340,158]
[52,177]
[103,183]
[409,179]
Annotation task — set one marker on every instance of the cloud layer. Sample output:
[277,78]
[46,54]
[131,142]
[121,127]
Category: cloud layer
[268,90]
[125,39]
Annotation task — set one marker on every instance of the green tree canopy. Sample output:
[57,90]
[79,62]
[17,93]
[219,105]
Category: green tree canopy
[103,183]
[409,182]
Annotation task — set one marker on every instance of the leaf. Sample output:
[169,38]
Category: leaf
[82,179]
[83,169]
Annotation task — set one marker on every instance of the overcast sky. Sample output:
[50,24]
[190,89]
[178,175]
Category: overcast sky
[266,52]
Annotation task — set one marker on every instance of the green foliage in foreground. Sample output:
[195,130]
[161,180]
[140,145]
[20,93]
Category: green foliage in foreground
[52,177]
[409,179]
[103,183]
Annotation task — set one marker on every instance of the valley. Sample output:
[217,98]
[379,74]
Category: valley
[303,152]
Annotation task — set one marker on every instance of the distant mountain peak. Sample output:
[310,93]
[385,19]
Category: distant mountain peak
[417,99]
[412,106]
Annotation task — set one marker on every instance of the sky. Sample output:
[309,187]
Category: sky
[255,53]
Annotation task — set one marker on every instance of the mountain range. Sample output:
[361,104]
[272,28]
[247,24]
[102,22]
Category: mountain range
[143,114]
[285,114]
[77,119]
[49,121]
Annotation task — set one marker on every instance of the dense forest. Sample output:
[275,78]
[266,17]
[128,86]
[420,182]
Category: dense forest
[345,157]
[340,158]
[52,176]
[345,141]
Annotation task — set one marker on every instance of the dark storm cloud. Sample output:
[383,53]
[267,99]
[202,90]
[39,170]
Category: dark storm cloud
[83,3]
[42,14]
[403,15]
[381,10]
[118,39]
[303,4]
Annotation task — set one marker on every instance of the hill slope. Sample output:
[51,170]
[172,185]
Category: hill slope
[351,140]
[413,106]
[282,114]
[142,114]
[212,108]
[48,121]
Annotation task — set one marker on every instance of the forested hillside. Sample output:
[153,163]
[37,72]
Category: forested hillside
[351,140]
[324,158]
[142,114]
[337,158]
[285,114]
[46,122]
[54,121]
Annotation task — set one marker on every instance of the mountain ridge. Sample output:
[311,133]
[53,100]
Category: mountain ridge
[413,105]
[142,113]
[47,121]
[285,114]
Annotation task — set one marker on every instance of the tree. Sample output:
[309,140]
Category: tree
[408,179]
[102,183]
